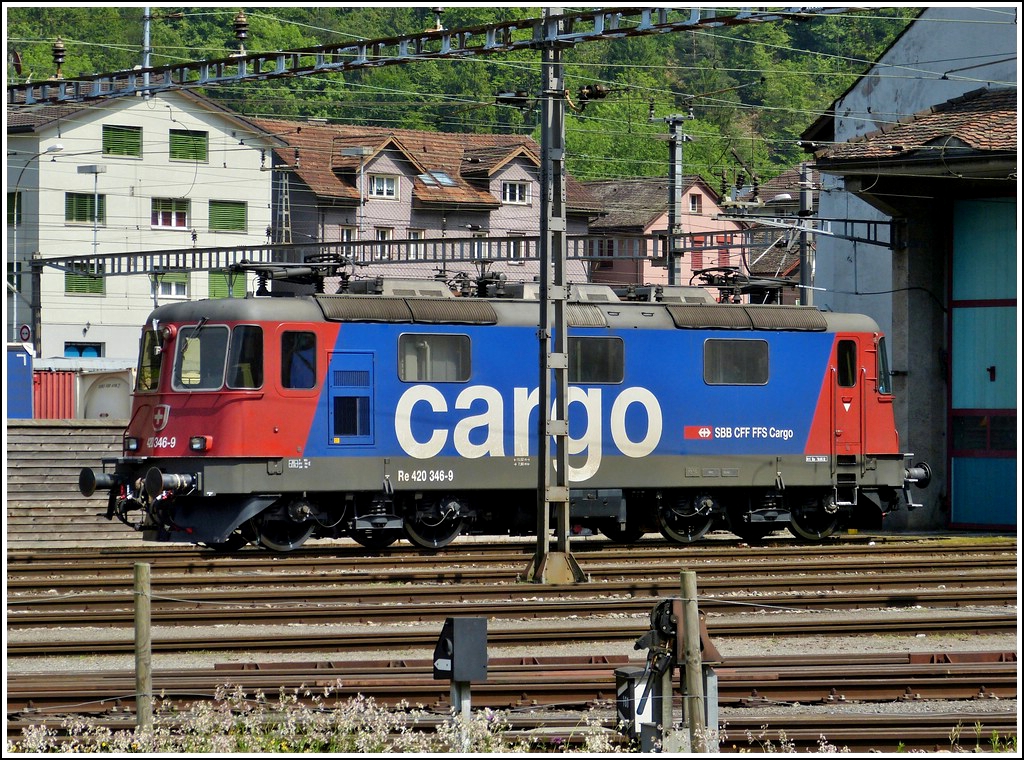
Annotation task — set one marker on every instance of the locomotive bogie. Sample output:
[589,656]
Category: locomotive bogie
[277,420]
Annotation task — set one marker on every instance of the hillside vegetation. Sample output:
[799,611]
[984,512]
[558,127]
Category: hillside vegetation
[750,89]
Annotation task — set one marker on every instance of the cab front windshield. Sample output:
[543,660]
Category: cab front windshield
[211,356]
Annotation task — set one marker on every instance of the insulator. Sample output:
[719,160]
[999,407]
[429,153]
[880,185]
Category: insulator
[58,51]
[593,92]
[241,26]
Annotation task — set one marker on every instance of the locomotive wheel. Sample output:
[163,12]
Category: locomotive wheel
[374,539]
[435,528]
[815,521]
[282,536]
[686,521]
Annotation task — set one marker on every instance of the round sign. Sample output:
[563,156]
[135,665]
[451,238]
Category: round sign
[25,333]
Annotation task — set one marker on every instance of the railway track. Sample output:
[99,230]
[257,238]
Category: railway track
[568,684]
[338,600]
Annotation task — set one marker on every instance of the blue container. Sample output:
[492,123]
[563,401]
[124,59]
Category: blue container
[19,381]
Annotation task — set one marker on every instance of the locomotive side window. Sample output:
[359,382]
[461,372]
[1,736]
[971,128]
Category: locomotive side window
[298,360]
[846,358]
[199,363]
[736,362]
[245,362]
[884,378]
[429,358]
[149,362]
[595,360]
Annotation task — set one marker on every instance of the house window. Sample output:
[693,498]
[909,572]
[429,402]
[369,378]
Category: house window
[695,200]
[187,145]
[14,209]
[383,186]
[516,248]
[383,234]
[14,275]
[226,285]
[172,285]
[83,350]
[228,216]
[346,234]
[416,250]
[515,192]
[84,280]
[170,212]
[81,208]
[122,141]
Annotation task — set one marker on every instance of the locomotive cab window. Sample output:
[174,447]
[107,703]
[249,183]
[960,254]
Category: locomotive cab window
[433,358]
[298,360]
[245,362]
[149,362]
[736,362]
[595,360]
[200,358]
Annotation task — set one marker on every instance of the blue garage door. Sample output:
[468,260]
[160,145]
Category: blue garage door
[983,435]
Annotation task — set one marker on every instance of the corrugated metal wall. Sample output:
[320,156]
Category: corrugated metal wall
[54,395]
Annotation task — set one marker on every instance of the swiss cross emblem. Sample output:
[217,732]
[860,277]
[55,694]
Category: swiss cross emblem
[161,414]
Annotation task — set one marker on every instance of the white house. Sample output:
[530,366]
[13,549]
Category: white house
[122,175]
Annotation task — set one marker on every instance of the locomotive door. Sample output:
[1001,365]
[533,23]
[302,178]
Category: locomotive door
[848,410]
[350,389]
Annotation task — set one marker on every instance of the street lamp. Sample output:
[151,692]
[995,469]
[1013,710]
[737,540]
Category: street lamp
[95,170]
[17,210]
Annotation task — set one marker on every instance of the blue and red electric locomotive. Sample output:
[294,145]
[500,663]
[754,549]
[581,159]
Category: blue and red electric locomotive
[272,420]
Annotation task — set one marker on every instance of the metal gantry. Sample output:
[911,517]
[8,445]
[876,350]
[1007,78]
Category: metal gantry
[525,34]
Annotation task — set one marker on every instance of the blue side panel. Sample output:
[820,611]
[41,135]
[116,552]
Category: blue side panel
[663,394]
[983,493]
[19,383]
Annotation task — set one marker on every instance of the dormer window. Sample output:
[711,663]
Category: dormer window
[515,192]
[383,186]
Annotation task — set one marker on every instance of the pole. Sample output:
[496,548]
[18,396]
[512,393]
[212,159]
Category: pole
[675,195]
[806,209]
[143,648]
[693,692]
[553,472]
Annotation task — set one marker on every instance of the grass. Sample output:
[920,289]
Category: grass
[307,720]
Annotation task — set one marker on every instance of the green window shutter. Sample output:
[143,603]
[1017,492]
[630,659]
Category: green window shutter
[81,283]
[14,209]
[186,145]
[122,141]
[221,282]
[228,215]
[81,207]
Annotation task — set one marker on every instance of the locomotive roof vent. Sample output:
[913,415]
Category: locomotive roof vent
[402,288]
[667,294]
[592,293]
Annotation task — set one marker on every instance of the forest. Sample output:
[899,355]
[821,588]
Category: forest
[746,91]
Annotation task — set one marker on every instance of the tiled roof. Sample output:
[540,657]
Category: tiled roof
[462,157]
[981,120]
[631,203]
